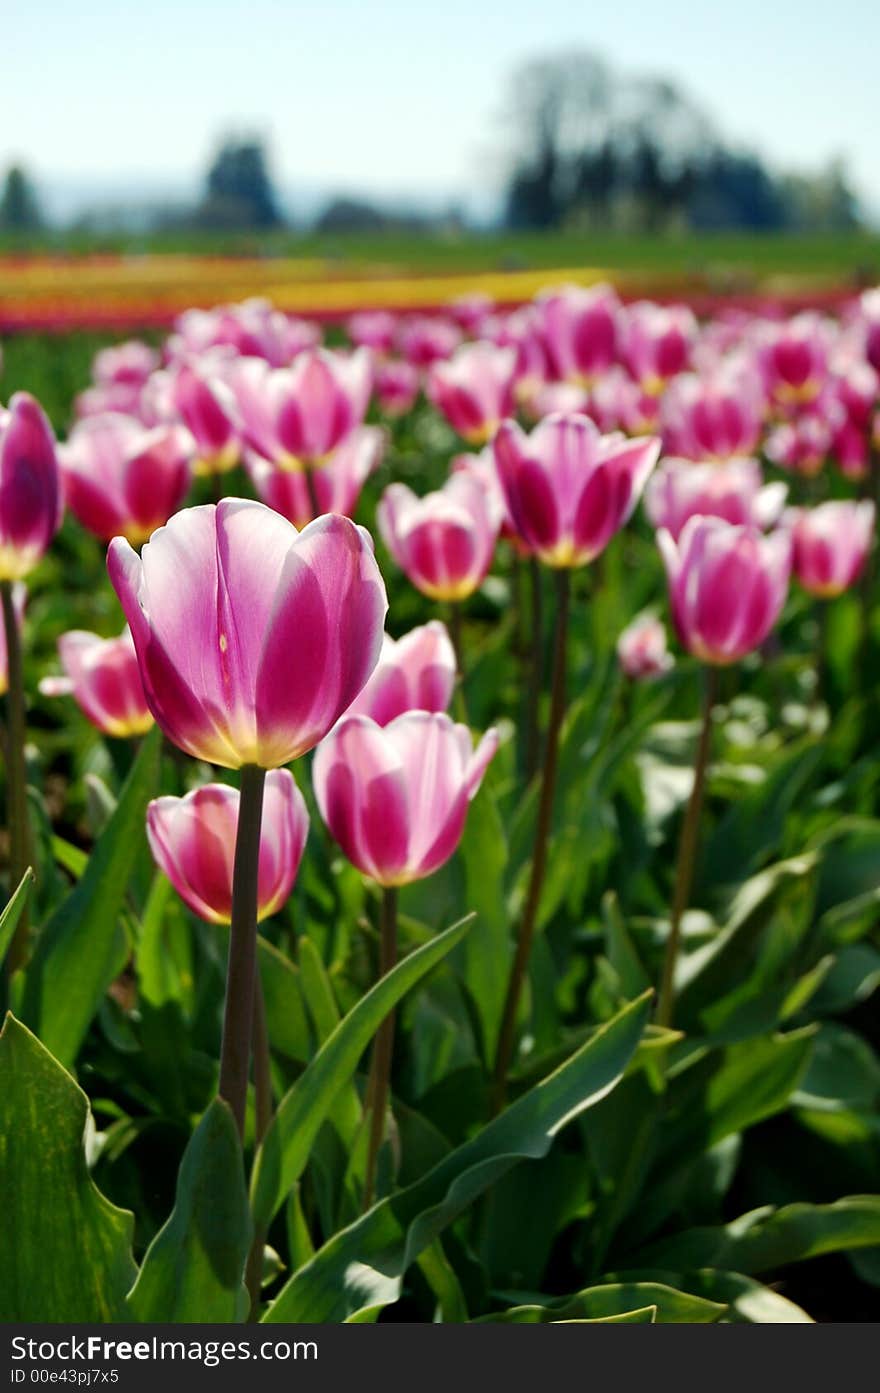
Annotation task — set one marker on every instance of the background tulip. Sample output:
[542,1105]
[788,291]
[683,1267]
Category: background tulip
[193,842]
[793,360]
[102,674]
[641,649]
[208,410]
[474,389]
[121,479]
[31,499]
[425,340]
[734,490]
[727,586]
[579,329]
[655,342]
[444,542]
[397,386]
[252,638]
[715,417]
[414,673]
[568,488]
[396,797]
[334,486]
[830,544]
[374,329]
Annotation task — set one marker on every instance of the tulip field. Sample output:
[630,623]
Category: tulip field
[441,777]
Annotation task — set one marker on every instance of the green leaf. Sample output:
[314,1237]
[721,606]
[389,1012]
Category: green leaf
[748,1302]
[282,1157]
[768,1238]
[12,912]
[193,1267]
[78,951]
[617,1299]
[360,1269]
[66,1249]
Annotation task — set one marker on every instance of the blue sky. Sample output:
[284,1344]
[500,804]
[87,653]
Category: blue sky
[386,95]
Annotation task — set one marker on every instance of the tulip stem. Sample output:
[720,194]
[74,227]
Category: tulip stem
[507,1033]
[263,1110]
[458,648]
[242,964]
[533,733]
[16,771]
[383,1047]
[687,851]
[314,505]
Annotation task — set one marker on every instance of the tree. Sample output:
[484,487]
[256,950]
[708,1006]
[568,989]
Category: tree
[19,209]
[239,192]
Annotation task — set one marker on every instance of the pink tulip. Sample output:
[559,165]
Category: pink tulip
[656,342]
[568,488]
[337,483]
[31,498]
[397,386]
[445,541]
[803,444]
[717,417]
[120,478]
[869,322]
[553,399]
[252,638]
[642,651]
[425,340]
[414,673]
[830,544]
[474,389]
[580,331]
[252,329]
[19,597]
[102,675]
[193,842]
[373,329]
[521,331]
[727,586]
[793,360]
[618,403]
[125,398]
[207,408]
[471,311]
[125,363]
[396,798]
[297,416]
[734,490]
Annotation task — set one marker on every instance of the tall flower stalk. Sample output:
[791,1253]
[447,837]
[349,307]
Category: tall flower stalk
[16,771]
[379,1083]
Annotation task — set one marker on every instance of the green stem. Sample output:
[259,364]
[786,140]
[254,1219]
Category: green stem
[242,965]
[313,494]
[16,771]
[458,646]
[518,971]
[263,1109]
[687,851]
[383,1048]
[535,677]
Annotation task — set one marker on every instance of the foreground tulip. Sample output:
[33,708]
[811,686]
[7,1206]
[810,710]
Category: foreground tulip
[642,651]
[252,638]
[396,800]
[333,487]
[734,491]
[103,676]
[193,841]
[569,489]
[727,587]
[123,480]
[444,542]
[414,673]
[830,544]
[580,331]
[474,389]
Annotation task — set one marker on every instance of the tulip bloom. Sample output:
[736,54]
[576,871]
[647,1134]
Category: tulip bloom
[397,386]
[336,484]
[425,340]
[830,544]
[124,363]
[193,842]
[31,498]
[735,491]
[396,798]
[19,596]
[568,488]
[642,651]
[121,479]
[580,331]
[373,329]
[103,676]
[471,311]
[717,417]
[414,673]
[252,329]
[444,542]
[474,389]
[207,408]
[793,360]
[656,342]
[727,586]
[618,403]
[297,416]
[803,444]
[252,638]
